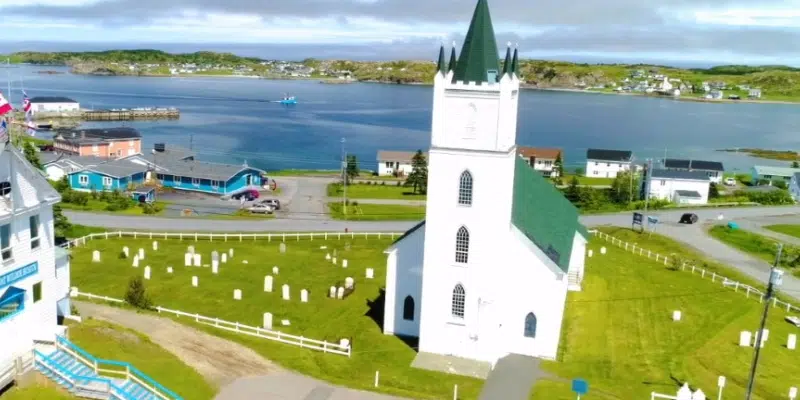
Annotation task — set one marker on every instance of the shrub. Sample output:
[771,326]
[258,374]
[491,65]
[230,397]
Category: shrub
[399,183]
[383,183]
[137,294]
[354,204]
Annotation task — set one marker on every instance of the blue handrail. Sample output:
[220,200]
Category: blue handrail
[75,377]
[18,299]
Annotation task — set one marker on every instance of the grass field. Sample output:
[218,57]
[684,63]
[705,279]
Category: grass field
[586,180]
[363,191]
[303,266]
[100,206]
[759,246]
[791,230]
[377,212]
[41,389]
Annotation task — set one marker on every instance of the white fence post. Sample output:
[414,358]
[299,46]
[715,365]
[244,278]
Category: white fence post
[377,375]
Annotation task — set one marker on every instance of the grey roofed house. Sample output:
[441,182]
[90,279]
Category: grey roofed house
[679,174]
[51,99]
[609,155]
[671,163]
[89,136]
[67,160]
[202,169]
[397,156]
[172,152]
[688,194]
[117,168]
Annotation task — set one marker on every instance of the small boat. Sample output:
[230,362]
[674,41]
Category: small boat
[288,100]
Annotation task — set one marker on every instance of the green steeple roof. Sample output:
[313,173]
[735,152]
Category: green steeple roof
[507,61]
[441,66]
[452,64]
[478,58]
[515,63]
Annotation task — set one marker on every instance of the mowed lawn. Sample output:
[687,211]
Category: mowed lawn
[763,247]
[377,212]
[363,191]
[303,266]
[791,230]
[618,333]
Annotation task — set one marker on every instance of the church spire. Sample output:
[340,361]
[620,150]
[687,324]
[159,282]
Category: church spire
[452,64]
[441,66]
[478,58]
[515,61]
[507,62]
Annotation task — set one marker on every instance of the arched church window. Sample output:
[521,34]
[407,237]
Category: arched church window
[530,325]
[462,245]
[459,299]
[465,189]
[408,308]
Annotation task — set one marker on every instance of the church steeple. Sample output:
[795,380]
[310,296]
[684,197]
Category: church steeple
[452,64]
[441,67]
[515,61]
[507,62]
[478,59]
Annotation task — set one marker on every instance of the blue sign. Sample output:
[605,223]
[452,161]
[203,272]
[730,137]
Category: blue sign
[580,386]
[19,274]
[652,220]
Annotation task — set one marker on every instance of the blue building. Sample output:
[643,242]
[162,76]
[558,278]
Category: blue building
[120,174]
[207,177]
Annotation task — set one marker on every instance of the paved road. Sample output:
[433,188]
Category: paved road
[308,197]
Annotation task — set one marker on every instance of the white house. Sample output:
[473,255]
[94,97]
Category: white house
[395,162]
[714,169]
[475,287]
[34,274]
[57,165]
[680,187]
[53,104]
[602,163]
[541,159]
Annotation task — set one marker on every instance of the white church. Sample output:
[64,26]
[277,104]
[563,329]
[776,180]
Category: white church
[486,274]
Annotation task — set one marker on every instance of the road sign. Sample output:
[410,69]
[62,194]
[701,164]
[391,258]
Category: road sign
[637,220]
[580,387]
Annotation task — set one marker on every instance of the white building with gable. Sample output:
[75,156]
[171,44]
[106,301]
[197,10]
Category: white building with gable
[34,273]
[487,273]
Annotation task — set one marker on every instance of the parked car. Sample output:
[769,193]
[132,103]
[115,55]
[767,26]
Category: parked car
[261,209]
[275,203]
[688,218]
[248,195]
[730,182]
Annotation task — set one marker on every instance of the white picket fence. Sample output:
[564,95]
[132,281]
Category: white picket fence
[313,344]
[241,237]
[702,272]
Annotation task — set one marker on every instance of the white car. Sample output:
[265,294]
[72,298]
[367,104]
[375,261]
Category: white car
[730,182]
[261,209]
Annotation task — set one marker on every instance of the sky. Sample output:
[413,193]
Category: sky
[670,31]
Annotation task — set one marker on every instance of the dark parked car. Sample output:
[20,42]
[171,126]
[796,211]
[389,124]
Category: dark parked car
[248,195]
[688,218]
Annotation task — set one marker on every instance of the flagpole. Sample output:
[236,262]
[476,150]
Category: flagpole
[8,78]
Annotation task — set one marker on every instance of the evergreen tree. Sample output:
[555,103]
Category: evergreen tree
[418,178]
[573,191]
[137,294]
[60,223]
[558,165]
[31,154]
[351,169]
[795,164]
[713,191]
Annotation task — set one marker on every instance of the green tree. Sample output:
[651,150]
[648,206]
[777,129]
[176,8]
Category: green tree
[558,165]
[573,191]
[418,178]
[795,164]
[137,294]
[31,154]
[713,191]
[60,223]
[351,168]
[624,188]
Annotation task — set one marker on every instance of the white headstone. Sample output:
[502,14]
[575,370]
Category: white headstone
[344,343]
[275,270]
[765,334]
[791,343]
[745,338]
[792,393]
[699,395]
[155,245]
[590,253]
[283,247]
[197,259]
[147,272]
[370,273]
[334,260]
[323,247]
[348,283]
[224,258]
[169,270]
[267,320]
[237,294]
[285,289]
[603,250]
[190,250]
[96,256]
[340,293]
[304,296]
[332,292]
[268,283]
[676,315]
[230,253]
[141,253]
[136,261]
[126,251]
[214,255]
[187,259]
[721,381]
[684,393]
[344,263]
[244,261]
[194,281]
[328,256]
[285,322]
[214,267]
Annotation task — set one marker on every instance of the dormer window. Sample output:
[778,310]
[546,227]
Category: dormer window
[491,75]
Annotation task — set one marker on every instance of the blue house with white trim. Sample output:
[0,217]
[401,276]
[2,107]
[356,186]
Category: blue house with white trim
[207,177]
[113,175]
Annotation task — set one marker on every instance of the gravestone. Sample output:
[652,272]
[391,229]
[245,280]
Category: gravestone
[147,272]
[275,270]
[96,256]
[340,293]
[230,253]
[332,292]
[169,270]
[285,289]
[126,251]
[214,267]
[155,245]
[765,334]
[344,263]
[603,250]
[304,296]
[268,283]
[194,281]
[791,343]
[214,255]
[348,283]
[136,261]
[283,247]
[285,322]
[268,320]
[323,247]
[684,393]
[224,258]
[187,259]
[370,273]
[589,253]
[237,294]
[676,315]
[347,246]
[344,343]
[197,259]
[334,260]
[141,253]
[745,338]
[190,250]
[328,256]
[244,262]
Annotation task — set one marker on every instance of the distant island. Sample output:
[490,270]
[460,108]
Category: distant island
[731,83]
[783,155]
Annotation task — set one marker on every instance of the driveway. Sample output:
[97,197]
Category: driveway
[308,197]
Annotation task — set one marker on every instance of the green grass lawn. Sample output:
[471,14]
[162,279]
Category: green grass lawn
[759,246]
[100,206]
[364,191]
[585,180]
[39,390]
[302,266]
[377,212]
[791,230]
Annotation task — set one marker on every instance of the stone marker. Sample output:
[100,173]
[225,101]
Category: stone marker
[169,270]
[275,270]
[141,253]
[603,250]
[332,292]
[197,259]
[791,343]
[268,283]
[676,315]
[589,253]
[285,322]
[187,259]
[224,258]
[230,253]
[348,283]
[370,273]
[285,289]
[344,343]
[334,260]
[214,255]
[244,261]
[155,245]
[328,256]
[147,272]
[194,281]
[136,261]
[214,267]
[344,263]
[283,247]
[765,334]
[96,256]
[340,293]
[304,296]
[126,251]
[323,247]
[267,320]
[190,250]
[745,338]
[237,294]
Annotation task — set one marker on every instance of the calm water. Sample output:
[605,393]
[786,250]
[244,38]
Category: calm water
[232,119]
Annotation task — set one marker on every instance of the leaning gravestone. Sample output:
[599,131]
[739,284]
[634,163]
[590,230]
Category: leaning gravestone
[136,261]
[275,270]
[332,292]
[283,247]
[147,272]
[340,293]
[745,338]
[194,281]
[96,256]
[141,253]
[304,296]
[126,251]
[237,294]
[268,321]
[348,283]
[370,273]
[285,289]
[224,258]
[268,283]
[187,259]
[155,245]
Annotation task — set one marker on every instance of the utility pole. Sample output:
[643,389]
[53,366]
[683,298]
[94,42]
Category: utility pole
[630,187]
[344,180]
[775,279]
[647,175]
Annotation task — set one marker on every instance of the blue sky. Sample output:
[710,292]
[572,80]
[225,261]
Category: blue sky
[678,31]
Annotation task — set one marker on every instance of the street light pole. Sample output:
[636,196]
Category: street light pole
[775,279]
[344,180]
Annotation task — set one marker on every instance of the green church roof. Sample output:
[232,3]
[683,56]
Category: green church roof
[544,215]
[452,64]
[515,63]
[507,62]
[478,60]
[441,66]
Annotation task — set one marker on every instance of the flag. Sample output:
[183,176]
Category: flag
[5,107]
[3,131]
[26,105]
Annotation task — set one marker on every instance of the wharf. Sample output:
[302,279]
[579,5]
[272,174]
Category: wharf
[127,114]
